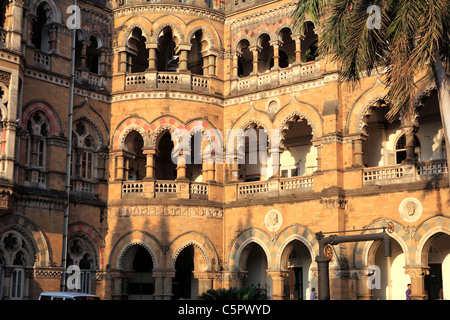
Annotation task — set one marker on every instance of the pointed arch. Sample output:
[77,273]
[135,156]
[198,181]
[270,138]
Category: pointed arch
[137,124]
[32,233]
[136,22]
[49,112]
[136,237]
[198,240]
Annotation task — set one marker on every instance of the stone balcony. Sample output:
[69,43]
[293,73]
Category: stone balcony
[275,78]
[178,189]
[171,80]
[405,173]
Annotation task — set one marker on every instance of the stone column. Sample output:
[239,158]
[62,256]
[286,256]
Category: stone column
[150,165]
[183,60]
[16,26]
[205,281]
[234,170]
[151,56]
[158,277]
[255,50]
[276,53]
[123,61]
[85,44]
[120,167]
[276,154]
[277,284]
[417,274]
[298,48]
[409,132]
[212,65]
[358,152]
[168,282]
[181,165]
[235,67]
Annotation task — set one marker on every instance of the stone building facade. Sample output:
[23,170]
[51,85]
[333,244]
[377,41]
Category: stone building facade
[146,222]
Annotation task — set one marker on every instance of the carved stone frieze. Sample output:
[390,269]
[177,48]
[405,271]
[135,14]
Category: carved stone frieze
[150,210]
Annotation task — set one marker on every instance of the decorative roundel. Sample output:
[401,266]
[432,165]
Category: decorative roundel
[273,220]
[410,209]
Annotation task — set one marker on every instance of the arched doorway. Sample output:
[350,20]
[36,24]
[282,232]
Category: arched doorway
[437,282]
[254,261]
[393,281]
[296,260]
[185,286]
[139,264]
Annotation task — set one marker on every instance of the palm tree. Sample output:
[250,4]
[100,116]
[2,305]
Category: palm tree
[233,293]
[411,36]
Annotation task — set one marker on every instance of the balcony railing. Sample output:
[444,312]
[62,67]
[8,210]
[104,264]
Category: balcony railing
[42,59]
[167,80]
[275,187]
[90,79]
[274,78]
[165,189]
[405,173]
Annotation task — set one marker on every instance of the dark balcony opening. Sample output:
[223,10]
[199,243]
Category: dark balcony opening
[287,48]
[309,43]
[165,167]
[40,32]
[93,55]
[166,59]
[133,148]
[139,52]
[245,60]
[3,7]
[195,59]
[265,55]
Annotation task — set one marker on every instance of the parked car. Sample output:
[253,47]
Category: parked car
[67,296]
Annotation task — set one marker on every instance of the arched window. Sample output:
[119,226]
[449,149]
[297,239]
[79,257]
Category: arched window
[40,31]
[86,143]
[81,254]
[400,149]
[38,129]
[93,55]
[15,254]
[265,56]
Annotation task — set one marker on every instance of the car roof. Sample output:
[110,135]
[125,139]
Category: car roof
[67,294]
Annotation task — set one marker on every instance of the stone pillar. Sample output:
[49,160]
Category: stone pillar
[103,57]
[123,61]
[16,25]
[158,277]
[298,48]
[234,74]
[150,165]
[417,274]
[183,60]
[205,281]
[210,170]
[234,170]
[255,50]
[52,38]
[409,132]
[212,65]
[181,165]
[151,56]
[358,152]
[83,57]
[277,284]
[120,167]
[276,154]
[276,53]
[168,282]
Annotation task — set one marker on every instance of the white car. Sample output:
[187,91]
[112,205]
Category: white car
[67,296]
